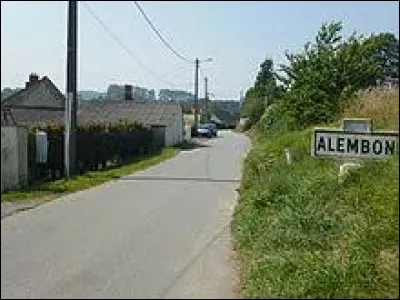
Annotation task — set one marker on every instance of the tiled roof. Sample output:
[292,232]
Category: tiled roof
[24,116]
[39,103]
[41,94]
[148,112]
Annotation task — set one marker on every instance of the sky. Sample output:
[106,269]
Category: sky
[237,35]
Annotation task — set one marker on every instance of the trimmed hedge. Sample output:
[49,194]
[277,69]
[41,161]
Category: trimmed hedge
[97,143]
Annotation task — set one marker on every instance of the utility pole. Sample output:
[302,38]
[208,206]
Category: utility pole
[71,103]
[196,95]
[206,100]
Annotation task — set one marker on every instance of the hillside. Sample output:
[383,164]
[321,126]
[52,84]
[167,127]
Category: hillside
[300,233]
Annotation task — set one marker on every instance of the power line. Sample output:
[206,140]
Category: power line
[157,32]
[118,41]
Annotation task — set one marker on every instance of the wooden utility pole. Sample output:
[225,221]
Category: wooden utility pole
[207,115]
[71,101]
[196,95]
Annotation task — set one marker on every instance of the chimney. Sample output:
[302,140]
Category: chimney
[33,78]
[128,92]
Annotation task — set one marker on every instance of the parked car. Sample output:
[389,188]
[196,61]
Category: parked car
[214,129]
[208,130]
[204,130]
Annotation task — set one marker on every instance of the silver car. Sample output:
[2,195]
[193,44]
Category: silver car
[204,130]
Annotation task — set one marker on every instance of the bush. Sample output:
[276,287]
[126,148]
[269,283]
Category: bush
[96,144]
[276,119]
[320,79]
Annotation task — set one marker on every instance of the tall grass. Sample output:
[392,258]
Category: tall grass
[300,233]
[381,105]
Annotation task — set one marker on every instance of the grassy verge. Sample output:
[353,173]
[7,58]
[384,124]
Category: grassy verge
[89,179]
[300,233]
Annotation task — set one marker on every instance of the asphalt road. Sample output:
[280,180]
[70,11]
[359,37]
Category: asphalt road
[161,233]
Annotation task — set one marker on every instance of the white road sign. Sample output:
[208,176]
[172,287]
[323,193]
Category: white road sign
[331,143]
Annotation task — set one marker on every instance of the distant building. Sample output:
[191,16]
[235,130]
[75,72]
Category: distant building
[143,94]
[115,92]
[174,95]
[91,95]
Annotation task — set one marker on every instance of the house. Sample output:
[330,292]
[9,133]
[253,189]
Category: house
[165,118]
[38,103]
[41,102]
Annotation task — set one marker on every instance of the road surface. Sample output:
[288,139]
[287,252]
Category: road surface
[160,233]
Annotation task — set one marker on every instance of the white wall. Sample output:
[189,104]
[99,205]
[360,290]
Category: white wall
[188,132]
[22,134]
[173,133]
[14,156]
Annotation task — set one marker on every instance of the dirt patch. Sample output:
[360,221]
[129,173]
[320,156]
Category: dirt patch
[238,288]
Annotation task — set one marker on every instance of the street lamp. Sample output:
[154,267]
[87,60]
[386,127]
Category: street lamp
[196,90]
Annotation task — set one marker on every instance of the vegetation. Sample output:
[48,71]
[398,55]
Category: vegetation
[300,232]
[264,92]
[318,82]
[327,73]
[97,144]
[387,54]
[380,106]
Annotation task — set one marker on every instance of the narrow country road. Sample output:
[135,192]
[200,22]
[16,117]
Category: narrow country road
[161,233]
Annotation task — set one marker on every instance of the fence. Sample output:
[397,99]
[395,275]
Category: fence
[94,151]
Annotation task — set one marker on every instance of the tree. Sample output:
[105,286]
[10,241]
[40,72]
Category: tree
[253,105]
[264,92]
[385,47]
[326,73]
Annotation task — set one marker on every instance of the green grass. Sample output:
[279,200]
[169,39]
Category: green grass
[299,233]
[89,179]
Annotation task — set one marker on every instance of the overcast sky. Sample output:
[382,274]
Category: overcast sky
[237,35]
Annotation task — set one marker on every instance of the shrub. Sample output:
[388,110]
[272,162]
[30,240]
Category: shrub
[96,144]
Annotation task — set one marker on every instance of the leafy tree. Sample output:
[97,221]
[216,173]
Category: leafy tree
[327,72]
[386,52]
[253,106]
[264,92]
